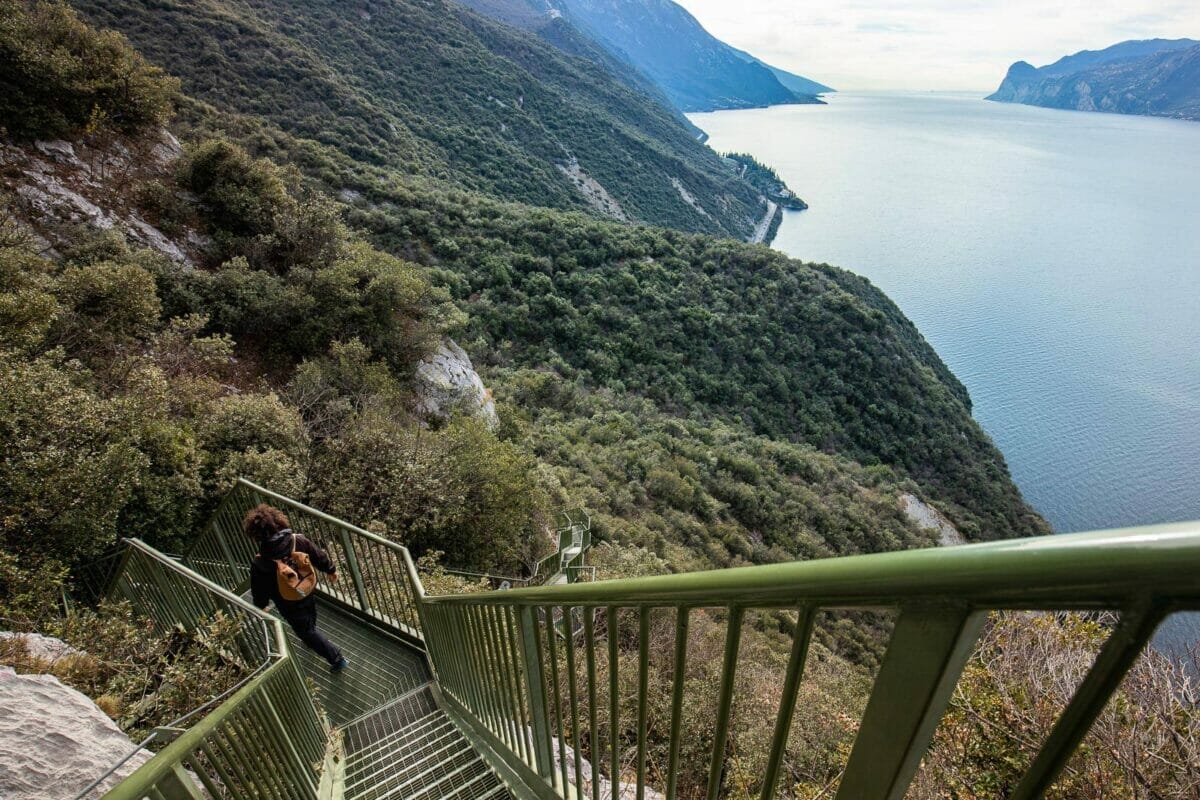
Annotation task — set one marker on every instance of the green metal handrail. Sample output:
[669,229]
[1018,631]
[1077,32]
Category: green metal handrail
[374,573]
[266,737]
[525,692]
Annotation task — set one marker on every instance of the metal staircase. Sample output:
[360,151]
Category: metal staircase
[467,697]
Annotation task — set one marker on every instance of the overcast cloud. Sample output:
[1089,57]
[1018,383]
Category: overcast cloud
[932,44]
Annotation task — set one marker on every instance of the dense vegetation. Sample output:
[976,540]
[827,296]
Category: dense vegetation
[766,180]
[62,77]
[126,410]
[432,89]
[679,319]
[703,493]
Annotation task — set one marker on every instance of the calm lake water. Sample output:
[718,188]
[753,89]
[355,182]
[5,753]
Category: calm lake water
[1051,257]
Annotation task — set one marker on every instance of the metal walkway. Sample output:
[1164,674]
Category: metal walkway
[512,693]
[293,729]
[382,666]
[410,749]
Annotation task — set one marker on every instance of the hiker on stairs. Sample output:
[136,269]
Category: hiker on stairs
[284,572]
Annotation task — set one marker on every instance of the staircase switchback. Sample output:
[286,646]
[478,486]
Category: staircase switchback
[492,695]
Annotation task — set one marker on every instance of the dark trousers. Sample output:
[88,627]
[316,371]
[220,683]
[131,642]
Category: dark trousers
[303,619]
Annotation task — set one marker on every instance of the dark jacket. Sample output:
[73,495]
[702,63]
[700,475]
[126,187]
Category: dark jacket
[264,586]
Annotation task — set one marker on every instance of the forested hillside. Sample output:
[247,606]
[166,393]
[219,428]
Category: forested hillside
[736,342]
[710,329]
[432,89]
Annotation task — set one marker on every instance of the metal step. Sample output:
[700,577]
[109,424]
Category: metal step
[470,781]
[425,728]
[384,722]
[417,755]
[427,776]
[423,758]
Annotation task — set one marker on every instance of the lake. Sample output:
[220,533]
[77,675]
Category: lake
[1051,257]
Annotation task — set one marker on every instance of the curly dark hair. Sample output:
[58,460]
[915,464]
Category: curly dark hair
[264,520]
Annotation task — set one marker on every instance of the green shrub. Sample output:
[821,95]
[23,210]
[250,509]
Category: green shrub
[140,676]
[59,77]
[459,490]
[241,195]
[71,462]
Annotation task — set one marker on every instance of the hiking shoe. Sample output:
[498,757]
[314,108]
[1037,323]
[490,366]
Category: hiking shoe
[342,663]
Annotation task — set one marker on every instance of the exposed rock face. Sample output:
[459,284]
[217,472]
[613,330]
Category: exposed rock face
[929,518]
[43,648]
[1158,77]
[446,382]
[596,195]
[62,183]
[625,791]
[689,198]
[54,741]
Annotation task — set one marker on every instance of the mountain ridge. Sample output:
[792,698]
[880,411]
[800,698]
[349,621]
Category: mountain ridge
[1152,77]
[663,41]
[797,83]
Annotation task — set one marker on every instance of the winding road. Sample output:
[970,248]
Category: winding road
[764,225]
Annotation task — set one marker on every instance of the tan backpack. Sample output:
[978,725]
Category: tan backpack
[295,575]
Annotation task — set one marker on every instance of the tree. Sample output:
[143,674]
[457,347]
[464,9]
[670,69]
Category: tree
[60,77]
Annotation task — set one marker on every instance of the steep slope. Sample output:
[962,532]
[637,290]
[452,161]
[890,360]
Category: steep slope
[738,341]
[711,330]
[797,83]
[1156,77]
[549,24]
[696,70]
[435,90]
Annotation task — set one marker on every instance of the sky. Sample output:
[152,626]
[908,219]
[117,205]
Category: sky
[932,44]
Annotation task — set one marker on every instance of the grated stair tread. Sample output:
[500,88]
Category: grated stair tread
[428,776]
[430,726]
[382,666]
[425,757]
[468,782]
[412,777]
[416,755]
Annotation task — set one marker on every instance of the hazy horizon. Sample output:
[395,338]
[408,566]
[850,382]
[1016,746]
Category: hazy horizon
[931,44]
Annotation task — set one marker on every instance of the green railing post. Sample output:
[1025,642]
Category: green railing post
[360,588]
[733,638]
[679,668]
[1133,631]
[535,682]
[927,652]
[787,700]
[298,767]
[230,559]
[178,785]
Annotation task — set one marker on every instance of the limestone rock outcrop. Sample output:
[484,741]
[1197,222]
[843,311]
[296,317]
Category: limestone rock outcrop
[929,518]
[58,183]
[43,648]
[54,741]
[447,383]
